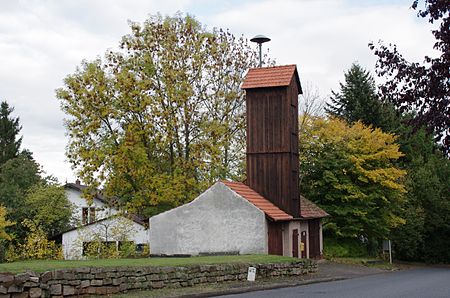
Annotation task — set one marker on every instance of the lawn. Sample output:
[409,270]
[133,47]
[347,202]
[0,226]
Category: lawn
[370,262]
[45,265]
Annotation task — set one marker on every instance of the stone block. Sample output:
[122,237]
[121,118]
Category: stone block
[83,270]
[3,290]
[55,289]
[5,295]
[20,295]
[107,281]
[21,278]
[167,269]
[153,277]
[68,290]
[46,276]
[96,270]
[44,286]
[85,275]
[30,284]
[123,287]
[58,274]
[74,282]
[6,278]
[96,282]
[157,284]
[100,275]
[112,290]
[35,292]
[118,281]
[15,289]
[85,283]
[101,290]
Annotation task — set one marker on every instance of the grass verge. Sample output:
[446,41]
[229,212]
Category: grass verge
[369,262]
[46,265]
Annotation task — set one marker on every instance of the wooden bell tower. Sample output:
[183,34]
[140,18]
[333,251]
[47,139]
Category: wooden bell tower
[272,135]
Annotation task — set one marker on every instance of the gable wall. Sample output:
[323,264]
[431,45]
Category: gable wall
[219,220]
[102,211]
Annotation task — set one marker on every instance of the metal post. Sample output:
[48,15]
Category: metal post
[260,39]
[390,252]
[260,55]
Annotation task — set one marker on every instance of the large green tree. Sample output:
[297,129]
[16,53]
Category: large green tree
[426,234]
[357,100]
[349,170]
[161,118]
[17,176]
[9,131]
[49,208]
[425,209]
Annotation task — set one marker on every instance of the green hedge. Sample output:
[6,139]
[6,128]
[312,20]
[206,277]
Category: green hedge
[341,248]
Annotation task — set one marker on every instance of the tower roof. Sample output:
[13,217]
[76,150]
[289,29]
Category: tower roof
[275,76]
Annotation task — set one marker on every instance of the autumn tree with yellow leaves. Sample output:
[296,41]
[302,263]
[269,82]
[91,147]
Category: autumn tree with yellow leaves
[161,118]
[4,223]
[349,171]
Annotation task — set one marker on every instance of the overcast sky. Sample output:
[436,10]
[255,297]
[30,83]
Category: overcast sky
[42,41]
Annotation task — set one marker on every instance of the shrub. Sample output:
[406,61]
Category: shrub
[344,247]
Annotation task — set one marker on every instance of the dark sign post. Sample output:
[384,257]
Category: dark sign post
[387,247]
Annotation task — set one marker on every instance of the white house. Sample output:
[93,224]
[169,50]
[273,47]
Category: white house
[98,221]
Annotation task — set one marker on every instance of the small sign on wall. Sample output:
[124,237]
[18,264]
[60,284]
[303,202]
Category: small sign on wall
[251,274]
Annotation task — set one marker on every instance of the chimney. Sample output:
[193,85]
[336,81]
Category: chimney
[272,135]
[77,182]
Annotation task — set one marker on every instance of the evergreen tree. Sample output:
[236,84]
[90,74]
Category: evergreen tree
[9,130]
[357,100]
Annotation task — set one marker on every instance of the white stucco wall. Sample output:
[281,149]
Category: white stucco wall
[113,229]
[101,210]
[219,220]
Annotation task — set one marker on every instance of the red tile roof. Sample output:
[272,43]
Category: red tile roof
[310,210]
[276,76]
[258,200]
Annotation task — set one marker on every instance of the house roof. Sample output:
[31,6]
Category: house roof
[131,217]
[310,210]
[275,76]
[81,188]
[258,200]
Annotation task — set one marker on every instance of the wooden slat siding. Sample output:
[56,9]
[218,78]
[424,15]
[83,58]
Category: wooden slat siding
[275,238]
[314,241]
[272,145]
[272,135]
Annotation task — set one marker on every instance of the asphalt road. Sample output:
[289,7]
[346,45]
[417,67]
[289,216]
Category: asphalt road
[420,282]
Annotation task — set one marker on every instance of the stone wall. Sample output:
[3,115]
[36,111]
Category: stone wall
[110,280]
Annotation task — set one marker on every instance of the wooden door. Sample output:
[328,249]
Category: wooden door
[275,238]
[295,243]
[303,245]
[314,238]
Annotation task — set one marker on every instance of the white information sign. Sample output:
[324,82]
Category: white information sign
[251,274]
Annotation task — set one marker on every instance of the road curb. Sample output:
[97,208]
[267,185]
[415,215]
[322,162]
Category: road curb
[263,287]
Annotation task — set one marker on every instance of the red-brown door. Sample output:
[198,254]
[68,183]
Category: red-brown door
[303,245]
[314,238]
[275,238]
[295,243]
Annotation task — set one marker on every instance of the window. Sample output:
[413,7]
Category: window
[87,215]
